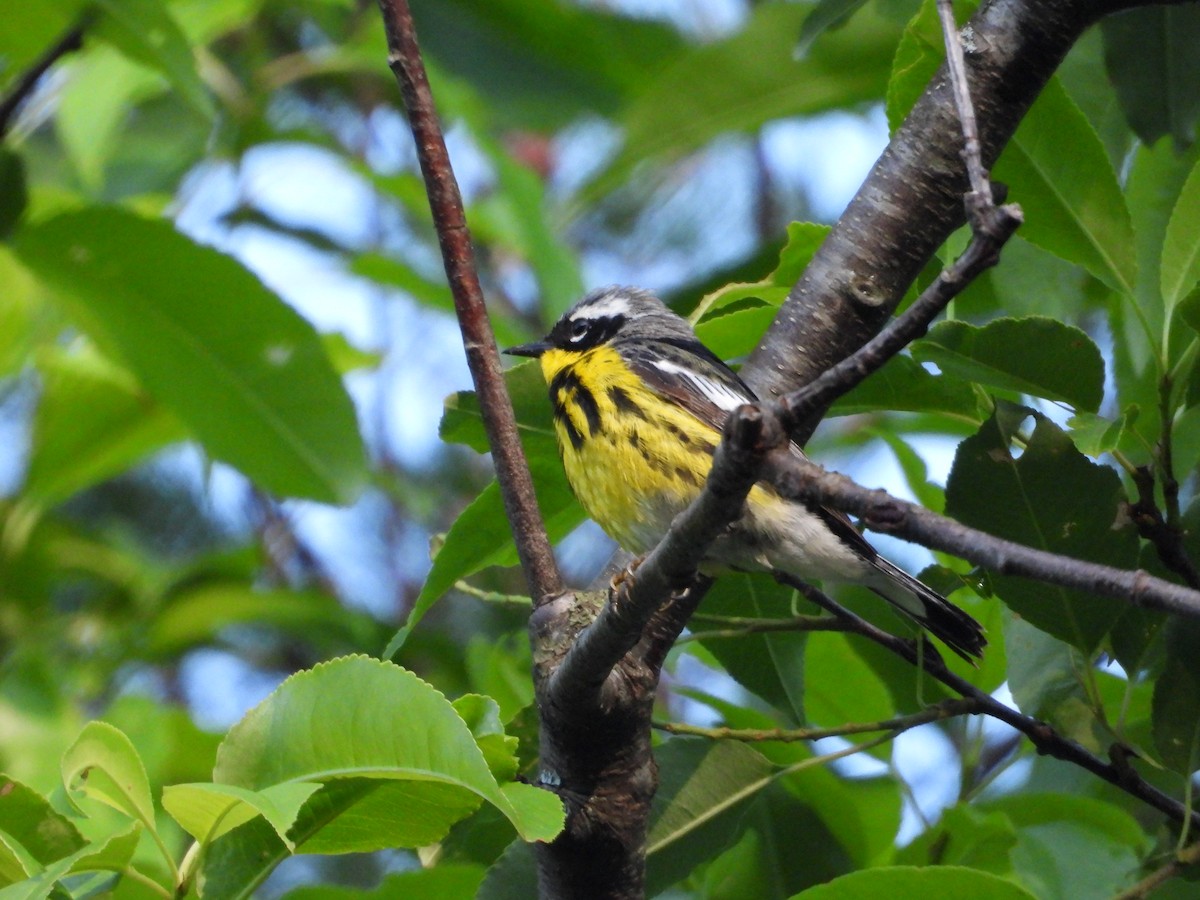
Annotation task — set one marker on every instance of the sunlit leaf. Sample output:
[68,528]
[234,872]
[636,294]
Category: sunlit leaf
[244,371]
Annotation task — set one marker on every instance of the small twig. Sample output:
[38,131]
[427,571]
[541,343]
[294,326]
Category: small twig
[1153,527]
[981,254]
[744,627]
[801,479]
[70,41]
[1184,859]
[1044,737]
[483,359]
[980,196]
[936,713]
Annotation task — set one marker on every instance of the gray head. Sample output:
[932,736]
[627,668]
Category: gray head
[610,314]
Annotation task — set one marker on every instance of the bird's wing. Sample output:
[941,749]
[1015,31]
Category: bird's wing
[691,375]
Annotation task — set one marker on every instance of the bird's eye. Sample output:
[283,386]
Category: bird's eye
[579,329]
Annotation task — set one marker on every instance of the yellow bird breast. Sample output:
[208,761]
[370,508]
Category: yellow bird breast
[632,458]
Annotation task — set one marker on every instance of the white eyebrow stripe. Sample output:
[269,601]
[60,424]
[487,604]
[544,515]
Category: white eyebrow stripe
[722,395]
[609,306]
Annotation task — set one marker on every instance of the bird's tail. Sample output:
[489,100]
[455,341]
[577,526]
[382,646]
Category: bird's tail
[929,609]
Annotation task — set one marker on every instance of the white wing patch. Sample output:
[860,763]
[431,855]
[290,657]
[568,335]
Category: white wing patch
[722,395]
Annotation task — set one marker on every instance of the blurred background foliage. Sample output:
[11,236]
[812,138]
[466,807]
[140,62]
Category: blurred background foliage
[225,342]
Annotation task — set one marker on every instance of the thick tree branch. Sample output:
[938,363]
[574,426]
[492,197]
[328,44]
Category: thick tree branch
[880,511]
[1045,738]
[483,359]
[70,41]
[911,200]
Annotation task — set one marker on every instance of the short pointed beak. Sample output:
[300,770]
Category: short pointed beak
[536,349]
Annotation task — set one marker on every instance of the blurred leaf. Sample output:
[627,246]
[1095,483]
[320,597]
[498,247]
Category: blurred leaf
[1096,435]
[827,14]
[1176,708]
[482,716]
[94,106]
[93,422]
[909,883]
[198,614]
[364,719]
[145,31]
[744,81]
[1068,505]
[540,63]
[1073,204]
[236,364]
[1150,58]
[1031,355]
[966,836]
[918,54]
[1056,830]
[481,537]
[513,876]
[1181,244]
[111,853]
[444,881]
[25,321]
[703,792]
[29,30]
[103,765]
[462,421]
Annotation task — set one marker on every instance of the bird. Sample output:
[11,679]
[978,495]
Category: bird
[639,405]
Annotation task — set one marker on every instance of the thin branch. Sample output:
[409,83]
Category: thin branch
[802,479]
[71,40]
[1184,859]
[743,627]
[981,190]
[945,710]
[1045,738]
[981,254]
[445,202]
[1166,539]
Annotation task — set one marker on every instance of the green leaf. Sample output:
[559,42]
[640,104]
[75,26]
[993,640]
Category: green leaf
[111,853]
[1176,704]
[840,687]
[1150,56]
[145,31]
[918,54]
[1056,830]
[1063,504]
[513,876]
[103,765]
[904,384]
[94,421]
[1031,355]
[244,371]
[1072,202]
[966,836]
[1180,270]
[364,719]
[481,537]
[198,614]
[705,787]
[908,883]
[207,811]
[541,63]
[826,15]
[28,818]
[443,881]
[746,80]
[770,664]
